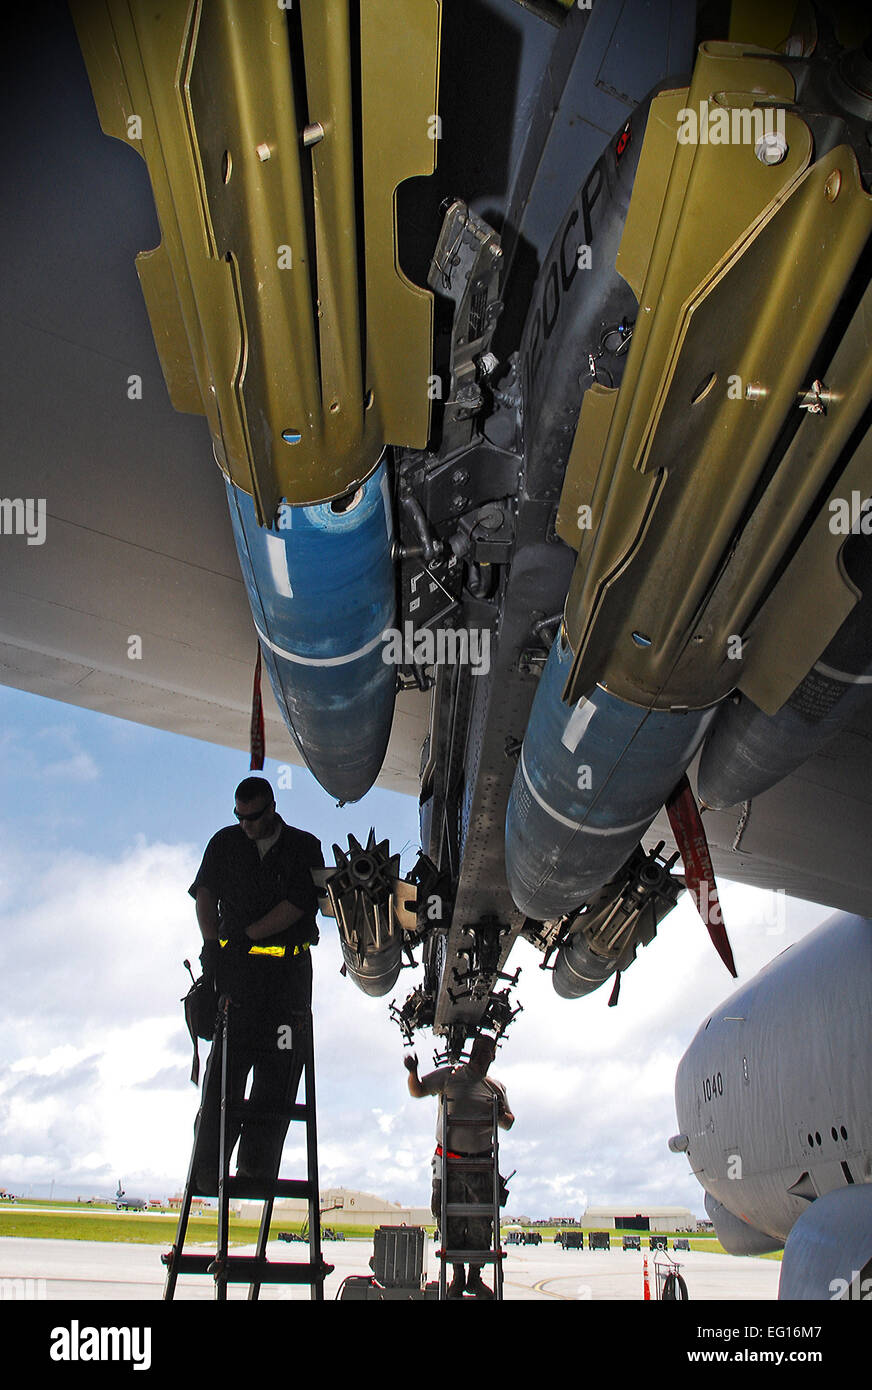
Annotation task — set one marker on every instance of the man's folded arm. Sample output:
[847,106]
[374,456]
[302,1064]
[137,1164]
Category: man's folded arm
[279,919]
[301,902]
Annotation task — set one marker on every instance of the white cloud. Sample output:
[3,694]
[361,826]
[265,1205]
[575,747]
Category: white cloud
[77,766]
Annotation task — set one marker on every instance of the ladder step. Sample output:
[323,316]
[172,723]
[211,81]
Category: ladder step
[247,1269]
[463,1257]
[471,1165]
[483,1209]
[262,1191]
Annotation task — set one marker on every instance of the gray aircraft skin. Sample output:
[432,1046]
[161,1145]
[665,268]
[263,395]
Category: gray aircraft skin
[772,1098]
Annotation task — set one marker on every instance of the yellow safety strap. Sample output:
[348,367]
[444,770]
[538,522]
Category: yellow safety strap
[269,950]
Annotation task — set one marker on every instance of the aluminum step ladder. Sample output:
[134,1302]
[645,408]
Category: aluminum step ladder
[256,1269]
[485,1209]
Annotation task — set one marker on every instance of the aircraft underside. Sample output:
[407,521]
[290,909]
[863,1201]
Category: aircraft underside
[597,492]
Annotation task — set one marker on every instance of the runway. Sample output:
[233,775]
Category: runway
[55,1270]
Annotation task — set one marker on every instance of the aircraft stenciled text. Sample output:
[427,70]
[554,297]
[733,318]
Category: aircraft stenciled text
[713,1086]
[564,266]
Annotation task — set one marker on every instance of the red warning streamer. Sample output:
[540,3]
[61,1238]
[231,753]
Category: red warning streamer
[258,737]
[690,837]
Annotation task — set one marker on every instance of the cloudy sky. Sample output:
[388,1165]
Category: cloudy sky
[103,826]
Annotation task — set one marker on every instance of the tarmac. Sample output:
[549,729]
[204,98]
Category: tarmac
[95,1270]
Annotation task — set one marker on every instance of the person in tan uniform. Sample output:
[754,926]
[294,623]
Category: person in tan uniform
[470,1092]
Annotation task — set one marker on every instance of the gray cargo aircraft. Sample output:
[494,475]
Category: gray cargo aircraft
[499,379]
[125,1201]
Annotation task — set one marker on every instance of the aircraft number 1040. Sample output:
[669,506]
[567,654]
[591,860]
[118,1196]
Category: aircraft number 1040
[713,1086]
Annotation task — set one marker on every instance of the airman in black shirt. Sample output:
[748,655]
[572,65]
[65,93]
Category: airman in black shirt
[256,906]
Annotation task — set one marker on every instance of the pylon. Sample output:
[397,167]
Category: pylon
[646,1286]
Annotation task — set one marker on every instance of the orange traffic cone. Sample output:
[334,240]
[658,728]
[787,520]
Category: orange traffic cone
[646,1286]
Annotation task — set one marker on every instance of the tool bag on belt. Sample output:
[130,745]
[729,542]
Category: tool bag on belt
[201,1011]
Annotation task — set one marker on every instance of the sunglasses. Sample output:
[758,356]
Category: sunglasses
[254,815]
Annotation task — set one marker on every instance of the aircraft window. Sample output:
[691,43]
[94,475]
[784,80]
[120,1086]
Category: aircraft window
[810,1142]
[843,1132]
[834,1132]
[817,1136]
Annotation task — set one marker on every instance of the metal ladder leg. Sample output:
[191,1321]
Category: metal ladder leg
[170,1260]
[220,1266]
[303,1066]
[496,1242]
[302,1052]
[315,1257]
[443,1217]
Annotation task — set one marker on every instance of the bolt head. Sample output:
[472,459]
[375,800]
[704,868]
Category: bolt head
[771,148]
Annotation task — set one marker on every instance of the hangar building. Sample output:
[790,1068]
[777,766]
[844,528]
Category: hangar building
[628,1218]
[340,1206]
